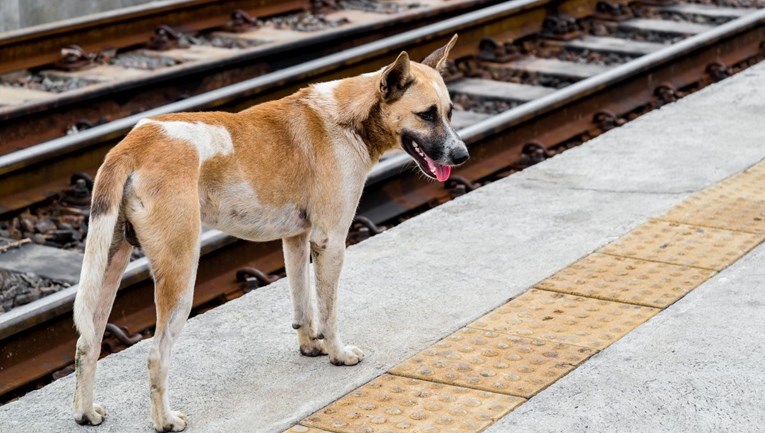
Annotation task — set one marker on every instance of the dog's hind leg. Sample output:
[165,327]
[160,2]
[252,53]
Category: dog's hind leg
[296,253]
[328,254]
[89,344]
[169,232]
[106,256]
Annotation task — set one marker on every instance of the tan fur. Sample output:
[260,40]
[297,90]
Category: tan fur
[292,169]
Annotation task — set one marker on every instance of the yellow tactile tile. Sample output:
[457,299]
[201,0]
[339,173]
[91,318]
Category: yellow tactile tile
[495,362]
[399,404]
[683,244]
[565,318]
[624,279]
[304,429]
[737,203]
[757,170]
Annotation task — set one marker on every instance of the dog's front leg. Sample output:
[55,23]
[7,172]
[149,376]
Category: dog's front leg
[328,252]
[296,252]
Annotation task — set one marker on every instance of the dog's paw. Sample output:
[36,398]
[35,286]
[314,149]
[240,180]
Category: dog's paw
[313,348]
[174,421]
[349,355]
[94,416]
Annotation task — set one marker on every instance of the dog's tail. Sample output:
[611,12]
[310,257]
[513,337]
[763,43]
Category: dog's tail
[104,216]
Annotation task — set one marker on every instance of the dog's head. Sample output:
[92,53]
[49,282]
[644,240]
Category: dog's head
[417,107]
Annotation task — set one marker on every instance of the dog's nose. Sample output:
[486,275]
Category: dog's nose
[459,155]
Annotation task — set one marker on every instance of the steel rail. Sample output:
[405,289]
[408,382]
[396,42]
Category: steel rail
[25,177]
[40,45]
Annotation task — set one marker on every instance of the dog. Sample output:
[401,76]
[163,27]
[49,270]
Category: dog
[291,169]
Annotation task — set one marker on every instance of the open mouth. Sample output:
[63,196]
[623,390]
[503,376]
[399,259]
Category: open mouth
[431,168]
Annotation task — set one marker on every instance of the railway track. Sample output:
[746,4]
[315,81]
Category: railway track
[524,94]
[76,75]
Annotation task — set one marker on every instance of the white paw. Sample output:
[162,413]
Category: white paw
[94,416]
[348,355]
[175,421]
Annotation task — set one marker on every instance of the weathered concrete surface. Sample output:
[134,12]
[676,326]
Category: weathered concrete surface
[16,14]
[47,262]
[696,367]
[237,368]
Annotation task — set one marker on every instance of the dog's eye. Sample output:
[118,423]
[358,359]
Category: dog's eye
[428,116]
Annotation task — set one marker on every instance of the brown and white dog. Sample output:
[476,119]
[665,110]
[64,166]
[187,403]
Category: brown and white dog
[291,169]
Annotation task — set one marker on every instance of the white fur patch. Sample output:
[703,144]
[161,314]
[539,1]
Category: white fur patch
[209,140]
[326,91]
[238,212]
[349,150]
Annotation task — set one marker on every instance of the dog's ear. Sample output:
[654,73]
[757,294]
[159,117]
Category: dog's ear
[396,78]
[437,58]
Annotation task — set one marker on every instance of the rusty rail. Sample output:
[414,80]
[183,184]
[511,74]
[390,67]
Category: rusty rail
[29,175]
[40,45]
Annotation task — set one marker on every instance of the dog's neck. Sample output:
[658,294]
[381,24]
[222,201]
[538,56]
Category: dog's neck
[358,109]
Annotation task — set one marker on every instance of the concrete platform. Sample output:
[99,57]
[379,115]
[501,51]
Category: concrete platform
[237,368]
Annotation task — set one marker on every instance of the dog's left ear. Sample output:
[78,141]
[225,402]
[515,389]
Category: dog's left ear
[437,58]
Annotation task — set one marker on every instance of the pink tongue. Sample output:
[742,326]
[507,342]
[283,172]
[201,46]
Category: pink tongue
[442,172]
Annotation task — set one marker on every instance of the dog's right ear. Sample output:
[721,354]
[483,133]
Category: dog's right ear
[396,78]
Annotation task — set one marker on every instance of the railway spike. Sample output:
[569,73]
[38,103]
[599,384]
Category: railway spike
[75,58]
[717,71]
[164,38]
[665,93]
[241,21]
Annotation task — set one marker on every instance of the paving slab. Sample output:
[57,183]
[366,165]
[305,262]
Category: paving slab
[553,66]
[708,10]
[237,367]
[664,26]
[614,45]
[17,95]
[695,367]
[48,262]
[489,89]
[462,119]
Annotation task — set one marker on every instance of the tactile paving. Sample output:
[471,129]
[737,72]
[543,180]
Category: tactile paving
[683,244]
[303,429]
[624,279]
[757,170]
[738,203]
[400,404]
[495,362]
[565,318]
